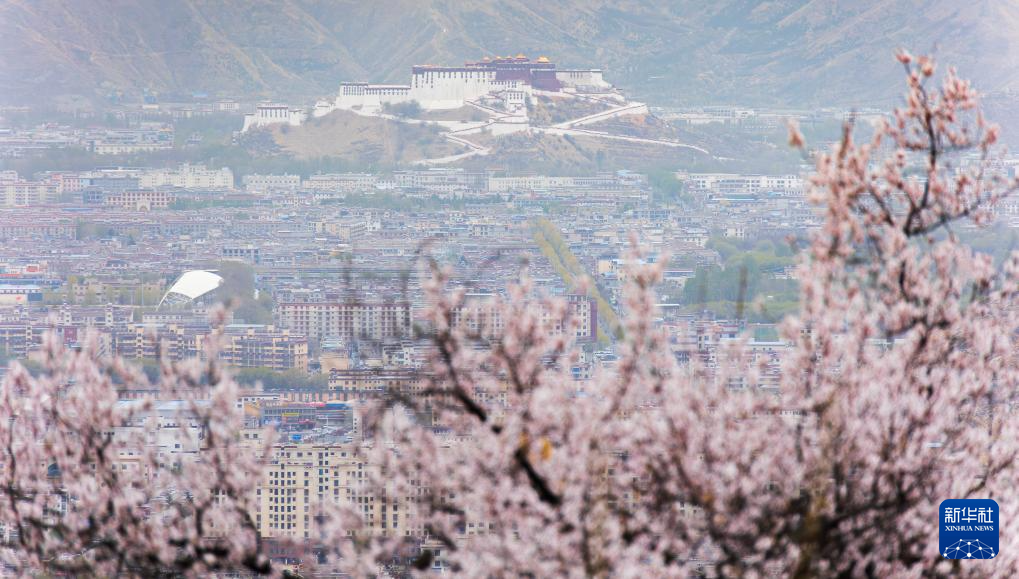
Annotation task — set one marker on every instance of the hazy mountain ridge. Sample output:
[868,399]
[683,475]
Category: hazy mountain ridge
[770,52]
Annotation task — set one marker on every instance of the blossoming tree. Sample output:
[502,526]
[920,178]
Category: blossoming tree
[81,495]
[895,394]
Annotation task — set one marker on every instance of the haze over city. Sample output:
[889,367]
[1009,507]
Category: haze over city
[509,289]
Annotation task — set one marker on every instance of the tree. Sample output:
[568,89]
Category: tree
[895,395]
[70,507]
[665,185]
[410,109]
[239,288]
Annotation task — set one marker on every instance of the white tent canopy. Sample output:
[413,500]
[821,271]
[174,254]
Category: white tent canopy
[192,285]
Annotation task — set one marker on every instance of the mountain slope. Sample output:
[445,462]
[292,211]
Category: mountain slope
[681,51]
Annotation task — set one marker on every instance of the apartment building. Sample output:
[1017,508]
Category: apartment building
[302,479]
[364,383]
[19,193]
[346,320]
[261,347]
[480,315]
[243,346]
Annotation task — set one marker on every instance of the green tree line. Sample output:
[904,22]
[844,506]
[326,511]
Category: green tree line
[552,245]
[746,277]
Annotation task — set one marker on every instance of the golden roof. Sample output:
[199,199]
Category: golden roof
[521,55]
[542,59]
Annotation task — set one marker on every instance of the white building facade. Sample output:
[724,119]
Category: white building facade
[268,114]
[450,87]
[257,183]
[187,177]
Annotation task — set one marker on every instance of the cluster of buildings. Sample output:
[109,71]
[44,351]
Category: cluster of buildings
[450,182]
[157,188]
[328,277]
[174,337]
[750,119]
[339,280]
[18,192]
[144,137]
[127,187]
[727,184]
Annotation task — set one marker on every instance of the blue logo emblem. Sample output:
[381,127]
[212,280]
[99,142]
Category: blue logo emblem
[969,529]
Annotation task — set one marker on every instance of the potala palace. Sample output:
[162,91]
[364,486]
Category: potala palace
[501,88]
[505,81]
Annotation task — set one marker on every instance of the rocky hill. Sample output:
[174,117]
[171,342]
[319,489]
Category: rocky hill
[362,140]
[679,51]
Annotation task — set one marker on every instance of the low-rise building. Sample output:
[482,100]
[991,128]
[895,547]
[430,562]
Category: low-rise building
[140,200]
[267,183]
